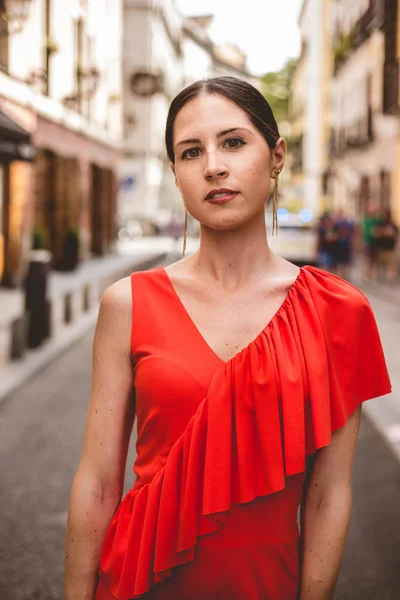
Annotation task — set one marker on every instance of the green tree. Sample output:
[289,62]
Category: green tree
[275,87]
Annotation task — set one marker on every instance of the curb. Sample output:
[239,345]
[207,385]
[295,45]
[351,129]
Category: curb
[385,421]
[383,412]
[19,372]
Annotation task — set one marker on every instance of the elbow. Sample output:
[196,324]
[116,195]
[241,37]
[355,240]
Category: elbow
[336,499]
[95,488]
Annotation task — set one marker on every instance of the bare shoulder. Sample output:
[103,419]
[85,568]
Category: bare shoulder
[115,314]
[283,274]
[118,296]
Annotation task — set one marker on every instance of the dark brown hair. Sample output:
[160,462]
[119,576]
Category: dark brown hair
[244,95]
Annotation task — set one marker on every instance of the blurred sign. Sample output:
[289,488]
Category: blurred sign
[127,183]
[16,151]
[15,141]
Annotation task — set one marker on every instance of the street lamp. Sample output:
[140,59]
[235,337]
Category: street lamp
[144,83]
[15,14]
[91,76]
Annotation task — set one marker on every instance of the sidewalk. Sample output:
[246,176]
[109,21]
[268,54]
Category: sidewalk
[88,281]
[385,302]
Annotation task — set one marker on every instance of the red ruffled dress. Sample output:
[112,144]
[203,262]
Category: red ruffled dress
[222,447]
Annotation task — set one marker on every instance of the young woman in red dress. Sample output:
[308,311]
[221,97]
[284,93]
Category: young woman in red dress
[245,375]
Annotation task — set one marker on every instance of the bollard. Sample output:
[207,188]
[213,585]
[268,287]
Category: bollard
[36,303]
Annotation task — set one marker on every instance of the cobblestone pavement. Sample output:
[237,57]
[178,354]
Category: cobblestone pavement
[41,427]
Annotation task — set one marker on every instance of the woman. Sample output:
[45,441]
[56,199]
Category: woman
[242,366]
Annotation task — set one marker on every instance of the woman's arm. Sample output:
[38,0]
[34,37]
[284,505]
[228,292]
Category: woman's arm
[325,513]
[98,483]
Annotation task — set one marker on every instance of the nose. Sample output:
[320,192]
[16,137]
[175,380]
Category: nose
[214,168]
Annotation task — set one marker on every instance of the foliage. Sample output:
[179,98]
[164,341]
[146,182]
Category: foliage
[51,46]
[71,245]
[275,87]
[72,233]
[343,46]
[40,238]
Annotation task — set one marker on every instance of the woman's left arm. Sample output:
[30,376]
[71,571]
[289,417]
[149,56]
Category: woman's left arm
[325,513]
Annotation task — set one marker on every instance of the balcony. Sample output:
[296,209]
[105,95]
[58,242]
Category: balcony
[372,19]
[358,135]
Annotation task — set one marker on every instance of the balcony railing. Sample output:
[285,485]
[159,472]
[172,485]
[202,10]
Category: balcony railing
[357,135]
[373,18]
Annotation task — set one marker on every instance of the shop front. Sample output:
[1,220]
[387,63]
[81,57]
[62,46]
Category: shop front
[16,156]
[75,195]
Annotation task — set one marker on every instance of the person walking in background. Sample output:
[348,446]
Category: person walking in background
[370,221]
[385,235]
[326,240]
[343,245]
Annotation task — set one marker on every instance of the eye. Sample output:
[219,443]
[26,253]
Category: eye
[191,153]
[234,143]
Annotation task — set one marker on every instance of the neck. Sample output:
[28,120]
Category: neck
[234,257]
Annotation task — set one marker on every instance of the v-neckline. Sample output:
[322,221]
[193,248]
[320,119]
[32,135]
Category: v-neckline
[189,318]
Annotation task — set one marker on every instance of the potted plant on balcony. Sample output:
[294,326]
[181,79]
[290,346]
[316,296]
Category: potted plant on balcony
[343,47]
[51,46]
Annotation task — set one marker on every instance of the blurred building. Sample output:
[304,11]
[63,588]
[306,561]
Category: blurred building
[392,95]
[163,52]
[298,100]
[309,105]
[152,74]
[60,125]
[364,101]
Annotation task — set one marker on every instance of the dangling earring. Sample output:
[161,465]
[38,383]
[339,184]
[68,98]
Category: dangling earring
[275,206]
[185,233]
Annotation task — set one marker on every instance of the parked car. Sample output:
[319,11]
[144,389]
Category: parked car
[297,237]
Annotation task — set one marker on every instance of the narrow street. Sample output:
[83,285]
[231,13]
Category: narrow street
[41,428]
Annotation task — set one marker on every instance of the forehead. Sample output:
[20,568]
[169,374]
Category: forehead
[208,113]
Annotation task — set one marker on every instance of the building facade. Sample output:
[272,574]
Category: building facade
[61,82]
[392,96]
[298,100]
[364,128]
[310,103]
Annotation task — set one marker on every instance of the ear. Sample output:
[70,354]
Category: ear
[278,157]
[171,164]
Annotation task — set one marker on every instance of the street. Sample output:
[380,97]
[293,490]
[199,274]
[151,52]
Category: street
[41,427]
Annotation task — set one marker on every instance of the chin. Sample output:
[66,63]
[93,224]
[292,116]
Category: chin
[226,222]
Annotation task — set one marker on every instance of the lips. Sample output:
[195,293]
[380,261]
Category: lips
[221,194]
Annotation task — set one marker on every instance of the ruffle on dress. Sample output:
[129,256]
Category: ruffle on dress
[274,403]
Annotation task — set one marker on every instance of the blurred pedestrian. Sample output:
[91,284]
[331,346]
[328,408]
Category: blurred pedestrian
[344,243]
[370,221]
[385,234]
[326,240]
[246,375]
[175,230]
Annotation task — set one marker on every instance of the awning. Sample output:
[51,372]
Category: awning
[15,142]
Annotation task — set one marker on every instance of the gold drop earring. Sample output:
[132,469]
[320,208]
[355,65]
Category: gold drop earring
[275,205]
[185,233]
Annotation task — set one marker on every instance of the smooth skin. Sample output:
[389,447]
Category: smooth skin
[231,287]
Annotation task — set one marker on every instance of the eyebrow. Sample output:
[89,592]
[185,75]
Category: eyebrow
[219,134]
